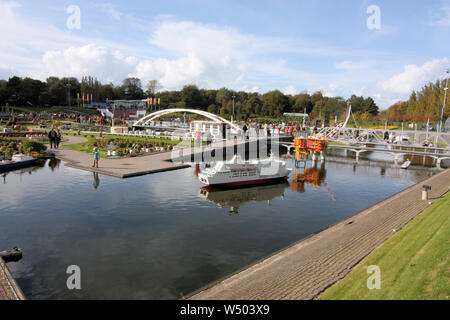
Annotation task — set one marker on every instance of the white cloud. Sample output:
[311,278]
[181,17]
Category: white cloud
[35,48]
[391,88]
[290,90]
[183,52]
[110,9]
[414,77]
[99,61]
[441,18]
[205,41]
[355,65]
[331,90]
[254,89]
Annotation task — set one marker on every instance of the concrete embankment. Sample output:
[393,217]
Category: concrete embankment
[9,290]
[308,267]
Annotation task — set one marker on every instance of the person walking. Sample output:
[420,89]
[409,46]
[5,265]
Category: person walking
[208,138]
[198,139]
[58,138]
[244,131]
[96,158]
[52,136]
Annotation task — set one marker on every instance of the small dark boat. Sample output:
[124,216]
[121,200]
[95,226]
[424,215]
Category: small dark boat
[17,161]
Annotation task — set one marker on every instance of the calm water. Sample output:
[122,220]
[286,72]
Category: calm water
[161,236]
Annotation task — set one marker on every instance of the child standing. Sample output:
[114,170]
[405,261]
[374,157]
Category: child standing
[96,158]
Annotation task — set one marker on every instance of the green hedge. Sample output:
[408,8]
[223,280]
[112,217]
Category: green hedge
[33,146]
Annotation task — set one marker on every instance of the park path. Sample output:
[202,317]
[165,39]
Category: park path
[308,267]
[136,166]
[121,168]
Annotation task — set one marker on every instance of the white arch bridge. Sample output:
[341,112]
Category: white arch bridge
[155,115]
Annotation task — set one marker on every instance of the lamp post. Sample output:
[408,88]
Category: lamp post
[232,116]
[68,92]
[445,100]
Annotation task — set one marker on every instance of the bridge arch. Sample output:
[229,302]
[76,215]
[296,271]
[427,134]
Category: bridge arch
[155,115]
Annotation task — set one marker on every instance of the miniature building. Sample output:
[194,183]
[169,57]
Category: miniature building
[214,128]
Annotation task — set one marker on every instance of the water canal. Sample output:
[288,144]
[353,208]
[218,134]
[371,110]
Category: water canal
[161,236]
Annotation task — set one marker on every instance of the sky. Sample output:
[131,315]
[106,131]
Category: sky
[378,48]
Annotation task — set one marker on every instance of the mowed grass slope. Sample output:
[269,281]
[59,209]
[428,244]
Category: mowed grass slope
[414,262]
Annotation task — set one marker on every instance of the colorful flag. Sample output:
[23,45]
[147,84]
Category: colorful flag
[154,101]
[148,101]
[159,101]
[83,98]
[92,98]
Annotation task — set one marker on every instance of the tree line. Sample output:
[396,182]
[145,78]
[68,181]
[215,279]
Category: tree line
[69,91]
[422,105]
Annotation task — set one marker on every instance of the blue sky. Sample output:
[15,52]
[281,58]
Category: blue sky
[293,46]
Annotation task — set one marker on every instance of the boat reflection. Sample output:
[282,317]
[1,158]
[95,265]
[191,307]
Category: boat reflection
[37,166]
[235,197]
[313,176]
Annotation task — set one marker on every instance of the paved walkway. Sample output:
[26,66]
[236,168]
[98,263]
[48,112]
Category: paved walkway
[136,166]
[8,287]
[308,267]
[121,168]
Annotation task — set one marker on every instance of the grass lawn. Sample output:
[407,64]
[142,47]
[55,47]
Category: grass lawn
[54,109]
[86,147]
[414,262]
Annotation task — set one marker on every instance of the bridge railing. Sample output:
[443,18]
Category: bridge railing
[357,135]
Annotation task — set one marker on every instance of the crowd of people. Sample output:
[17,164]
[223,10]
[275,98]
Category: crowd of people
[289,128]
[59,116]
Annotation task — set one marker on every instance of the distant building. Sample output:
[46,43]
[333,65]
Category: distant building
[125,109]
[302,115]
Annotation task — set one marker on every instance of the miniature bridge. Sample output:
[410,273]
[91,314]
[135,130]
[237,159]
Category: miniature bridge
[436,153]
[155,115]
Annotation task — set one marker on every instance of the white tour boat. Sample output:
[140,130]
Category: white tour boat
[237,172]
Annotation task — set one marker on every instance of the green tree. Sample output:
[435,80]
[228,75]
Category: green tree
[213,108]
[153,86]
[190,95]
[274,103]
[29,90]
[357,103]
[57,93]
[302,102]
[131,89]
[370,106]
